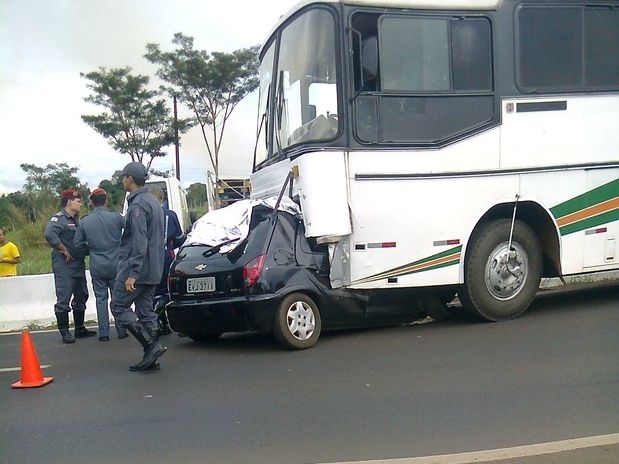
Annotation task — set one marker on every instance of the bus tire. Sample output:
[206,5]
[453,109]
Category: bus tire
[297,322]
[498,286]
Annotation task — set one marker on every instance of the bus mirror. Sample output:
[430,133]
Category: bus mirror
[312,112]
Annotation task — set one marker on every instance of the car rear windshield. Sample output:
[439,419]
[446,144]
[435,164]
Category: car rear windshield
[259,232]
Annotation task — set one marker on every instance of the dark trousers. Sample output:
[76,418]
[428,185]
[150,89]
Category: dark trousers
[142,298]
[71,293]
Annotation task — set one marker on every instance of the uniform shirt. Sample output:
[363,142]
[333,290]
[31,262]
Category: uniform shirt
[98,234]
[141,247]
[61,229]
[8,250]
[174,236]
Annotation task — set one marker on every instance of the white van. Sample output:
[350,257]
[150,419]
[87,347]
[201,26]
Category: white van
[174,198]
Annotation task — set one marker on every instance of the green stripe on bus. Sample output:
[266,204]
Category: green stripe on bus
[592,197]
[442,254]
[401,270]
[438,266]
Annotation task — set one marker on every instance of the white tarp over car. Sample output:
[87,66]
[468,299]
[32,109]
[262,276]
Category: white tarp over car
[230,225]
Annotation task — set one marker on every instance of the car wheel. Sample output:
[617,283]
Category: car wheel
[501,283]
[297,322]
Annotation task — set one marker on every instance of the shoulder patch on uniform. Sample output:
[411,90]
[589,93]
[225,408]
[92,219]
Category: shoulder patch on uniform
[136,212]
[54,219]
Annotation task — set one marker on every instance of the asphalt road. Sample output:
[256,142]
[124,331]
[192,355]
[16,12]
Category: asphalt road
[399,392]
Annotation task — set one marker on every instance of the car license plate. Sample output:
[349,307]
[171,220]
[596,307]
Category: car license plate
[201,284]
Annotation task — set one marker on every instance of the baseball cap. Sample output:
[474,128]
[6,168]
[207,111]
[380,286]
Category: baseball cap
[136,170]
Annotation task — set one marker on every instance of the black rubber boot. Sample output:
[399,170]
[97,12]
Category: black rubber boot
[162,317]
[63,326]
[154,367]
[80,330]
[149,339]
[164,327]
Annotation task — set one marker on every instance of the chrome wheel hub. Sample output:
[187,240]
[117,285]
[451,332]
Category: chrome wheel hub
[506,271]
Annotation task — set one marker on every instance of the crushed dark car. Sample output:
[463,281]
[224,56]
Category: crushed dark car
[274,280]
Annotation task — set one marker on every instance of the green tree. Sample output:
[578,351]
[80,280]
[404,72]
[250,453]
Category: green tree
[196,195]
[135,120]
[11,215]
[43,188]
[211,85]
[52,179]
[115,193]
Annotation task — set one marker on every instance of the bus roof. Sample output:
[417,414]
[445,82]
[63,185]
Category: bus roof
[429,4]
[412,4]
[420,4]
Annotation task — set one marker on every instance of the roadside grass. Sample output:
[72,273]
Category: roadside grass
[34,250]
[36,254]
[35,326]
[35,260]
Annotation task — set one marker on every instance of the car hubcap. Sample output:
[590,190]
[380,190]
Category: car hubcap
[301,320]
[506,271]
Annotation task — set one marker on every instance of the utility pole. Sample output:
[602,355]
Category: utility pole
[176,143]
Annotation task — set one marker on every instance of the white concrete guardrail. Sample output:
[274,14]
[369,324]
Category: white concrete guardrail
[28,301]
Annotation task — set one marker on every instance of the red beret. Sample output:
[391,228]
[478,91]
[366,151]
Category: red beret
[71,194]
[98,191]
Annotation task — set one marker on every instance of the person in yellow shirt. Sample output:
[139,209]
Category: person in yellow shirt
[9,256]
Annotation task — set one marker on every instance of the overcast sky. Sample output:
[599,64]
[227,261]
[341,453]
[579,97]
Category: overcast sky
[45,44]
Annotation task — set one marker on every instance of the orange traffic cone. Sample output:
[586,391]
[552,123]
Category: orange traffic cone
[31,375]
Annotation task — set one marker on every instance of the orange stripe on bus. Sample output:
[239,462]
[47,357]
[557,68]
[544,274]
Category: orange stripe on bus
[416,267]
[588,212]
[435,262]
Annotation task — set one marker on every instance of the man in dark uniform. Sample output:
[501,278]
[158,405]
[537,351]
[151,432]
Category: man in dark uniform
[98,234]
[68,267]
[140,265]
[174,238]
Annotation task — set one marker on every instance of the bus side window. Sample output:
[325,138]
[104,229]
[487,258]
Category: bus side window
[369,63]
[365,49]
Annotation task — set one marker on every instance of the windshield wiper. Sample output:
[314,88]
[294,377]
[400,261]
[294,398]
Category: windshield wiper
[279,111]
[216,248]
[263,119]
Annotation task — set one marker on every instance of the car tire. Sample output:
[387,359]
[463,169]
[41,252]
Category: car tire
[297,322]
[498,286]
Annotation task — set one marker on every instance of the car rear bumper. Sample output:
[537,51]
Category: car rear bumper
[234,314]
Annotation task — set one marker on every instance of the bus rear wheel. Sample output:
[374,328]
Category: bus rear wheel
[501,282]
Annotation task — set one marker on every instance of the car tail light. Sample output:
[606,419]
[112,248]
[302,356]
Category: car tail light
[252,271]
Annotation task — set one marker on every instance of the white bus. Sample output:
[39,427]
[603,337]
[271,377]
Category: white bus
[447,146]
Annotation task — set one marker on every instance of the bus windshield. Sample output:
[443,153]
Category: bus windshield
[304,86]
